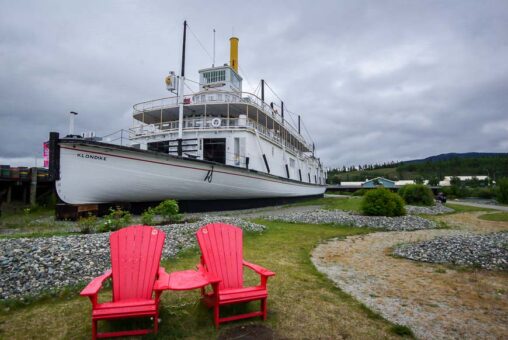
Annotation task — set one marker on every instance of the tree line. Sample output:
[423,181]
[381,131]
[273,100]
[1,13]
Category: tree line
[495,167]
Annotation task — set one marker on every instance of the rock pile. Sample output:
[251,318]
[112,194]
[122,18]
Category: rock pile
[29,266]
[436,209]
[488,251]
[347,218]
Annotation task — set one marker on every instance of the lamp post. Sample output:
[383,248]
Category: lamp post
[71,122]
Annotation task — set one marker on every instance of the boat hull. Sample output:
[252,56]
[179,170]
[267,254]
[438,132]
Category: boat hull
[92,173]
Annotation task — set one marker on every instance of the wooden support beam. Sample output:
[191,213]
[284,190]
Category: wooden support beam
[33,187]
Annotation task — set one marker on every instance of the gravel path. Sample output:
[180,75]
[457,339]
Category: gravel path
[355,220]
[29,266]
[435,301]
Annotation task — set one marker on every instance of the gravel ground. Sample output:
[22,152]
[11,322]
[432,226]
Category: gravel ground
[354,220]
[435,301]
[485,251]
[29,266]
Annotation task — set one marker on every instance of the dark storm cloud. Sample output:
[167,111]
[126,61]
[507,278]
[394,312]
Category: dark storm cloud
[374,81]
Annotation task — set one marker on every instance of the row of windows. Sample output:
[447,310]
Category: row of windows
[214,76]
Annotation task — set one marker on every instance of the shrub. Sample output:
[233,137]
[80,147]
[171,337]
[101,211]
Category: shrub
[147,218]
[87,224]
[382,202]
[360,192]
[418,194]
[434,181]
[484,193]
[116,219]
[502,190]
[168,210]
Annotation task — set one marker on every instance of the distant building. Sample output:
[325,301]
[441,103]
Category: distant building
[386,183]
[446,182]
[378,182]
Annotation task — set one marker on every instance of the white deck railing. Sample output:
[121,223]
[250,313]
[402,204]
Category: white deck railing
[202,123]
[216,97]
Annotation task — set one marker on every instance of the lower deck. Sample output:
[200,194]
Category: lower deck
[239,147]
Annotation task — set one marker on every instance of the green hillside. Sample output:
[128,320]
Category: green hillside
[492,166]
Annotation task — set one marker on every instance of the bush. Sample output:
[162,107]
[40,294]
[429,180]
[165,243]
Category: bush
[502,190]
[360,192]
[417,194]
[147,218]
[484,193]
[382,202]
[116,219]
[87,224]
[168,210]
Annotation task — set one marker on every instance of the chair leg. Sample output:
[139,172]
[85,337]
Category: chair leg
[156,323]
[263,308]
[216,315]
[94,329]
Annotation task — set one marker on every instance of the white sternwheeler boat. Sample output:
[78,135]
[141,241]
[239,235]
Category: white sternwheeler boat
[216,144]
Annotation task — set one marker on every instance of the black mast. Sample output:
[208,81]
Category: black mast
[263,90]
[182,75]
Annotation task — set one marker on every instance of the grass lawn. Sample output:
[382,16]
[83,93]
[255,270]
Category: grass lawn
[466,208]
[22,221]
[302,302]
[500,217]
[333,203]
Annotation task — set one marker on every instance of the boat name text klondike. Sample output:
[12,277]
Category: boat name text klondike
[85,155]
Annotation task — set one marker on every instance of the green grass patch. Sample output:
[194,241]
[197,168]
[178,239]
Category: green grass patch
[402,330]
[498,217]
[459,208]
[302,302]
[333,203]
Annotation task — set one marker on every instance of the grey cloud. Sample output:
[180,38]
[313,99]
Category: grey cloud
[374,81]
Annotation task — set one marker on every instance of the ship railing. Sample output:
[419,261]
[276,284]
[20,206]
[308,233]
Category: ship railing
[215,97]
[202,123]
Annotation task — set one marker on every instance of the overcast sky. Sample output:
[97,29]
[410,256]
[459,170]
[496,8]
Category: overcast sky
[374,81]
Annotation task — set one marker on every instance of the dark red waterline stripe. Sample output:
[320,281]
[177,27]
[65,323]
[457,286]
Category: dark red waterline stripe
[178,166]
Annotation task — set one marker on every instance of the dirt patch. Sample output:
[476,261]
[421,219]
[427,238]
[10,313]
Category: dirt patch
[248,332]
[470,222]
[435,301]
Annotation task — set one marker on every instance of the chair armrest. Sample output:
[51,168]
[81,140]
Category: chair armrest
[258,269]
[210,277]
[93,287]
[162,280]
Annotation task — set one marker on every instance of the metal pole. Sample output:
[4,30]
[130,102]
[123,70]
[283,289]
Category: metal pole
[282,110]
[299,124]
[262,92]
[213,65]
[180,92]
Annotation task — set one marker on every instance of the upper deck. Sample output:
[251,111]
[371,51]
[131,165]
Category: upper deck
[233,110]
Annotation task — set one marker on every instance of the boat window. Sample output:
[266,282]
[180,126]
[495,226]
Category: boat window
[214,76]
[235,80]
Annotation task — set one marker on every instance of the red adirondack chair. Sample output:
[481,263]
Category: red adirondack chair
[137,279]
[222,263]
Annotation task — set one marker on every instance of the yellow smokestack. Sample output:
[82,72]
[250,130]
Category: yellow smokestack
[233,59]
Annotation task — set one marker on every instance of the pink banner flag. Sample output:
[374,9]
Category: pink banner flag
[45,155]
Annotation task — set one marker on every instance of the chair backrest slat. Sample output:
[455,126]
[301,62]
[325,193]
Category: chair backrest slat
[135,260]
[222,250]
